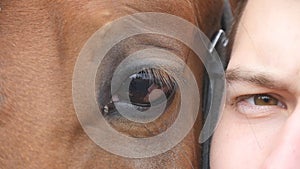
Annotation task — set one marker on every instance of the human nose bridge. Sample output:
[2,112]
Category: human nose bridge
[286,149]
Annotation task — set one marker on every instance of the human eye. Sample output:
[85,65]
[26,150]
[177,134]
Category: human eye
[258,105]
[264,100]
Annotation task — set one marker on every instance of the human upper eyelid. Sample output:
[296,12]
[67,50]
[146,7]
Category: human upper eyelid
[241,90]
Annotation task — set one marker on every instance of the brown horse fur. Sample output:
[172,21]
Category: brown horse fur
[39,43]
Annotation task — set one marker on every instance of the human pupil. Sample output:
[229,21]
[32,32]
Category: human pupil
[266,99]
[260,100]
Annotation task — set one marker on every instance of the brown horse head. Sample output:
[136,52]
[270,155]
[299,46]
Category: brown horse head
[40,41]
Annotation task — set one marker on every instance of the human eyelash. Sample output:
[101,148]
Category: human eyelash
[247,96]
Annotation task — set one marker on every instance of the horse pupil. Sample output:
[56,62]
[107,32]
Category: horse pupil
[138,90]
[143,82]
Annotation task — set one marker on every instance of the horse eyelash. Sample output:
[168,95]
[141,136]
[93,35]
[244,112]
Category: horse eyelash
[159,76]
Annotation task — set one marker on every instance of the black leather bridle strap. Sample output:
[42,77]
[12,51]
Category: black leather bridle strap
[219,42]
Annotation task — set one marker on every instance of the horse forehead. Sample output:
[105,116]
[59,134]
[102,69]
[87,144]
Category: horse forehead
[57,22]
[185,8]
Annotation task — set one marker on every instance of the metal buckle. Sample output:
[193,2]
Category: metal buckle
[220,37]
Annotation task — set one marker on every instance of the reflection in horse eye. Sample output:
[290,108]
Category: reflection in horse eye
[142,84]
[145,82]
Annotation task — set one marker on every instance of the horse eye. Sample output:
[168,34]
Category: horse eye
[142,84]
[145,82]
[147,89]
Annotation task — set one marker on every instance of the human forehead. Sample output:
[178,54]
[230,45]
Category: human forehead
[268,37]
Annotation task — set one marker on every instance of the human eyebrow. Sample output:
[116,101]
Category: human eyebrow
[261,79]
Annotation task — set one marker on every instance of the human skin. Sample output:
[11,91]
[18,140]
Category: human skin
[40,41]
[259,127]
